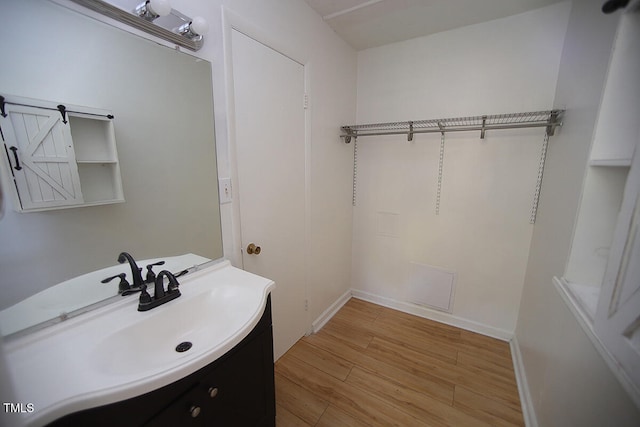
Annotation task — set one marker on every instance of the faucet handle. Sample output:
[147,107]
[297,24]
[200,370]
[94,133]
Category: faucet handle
[145,298]
[151,276]
[182,273]
[122,286]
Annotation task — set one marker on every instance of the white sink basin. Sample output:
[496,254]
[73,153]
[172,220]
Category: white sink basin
[203,319]
[116,352]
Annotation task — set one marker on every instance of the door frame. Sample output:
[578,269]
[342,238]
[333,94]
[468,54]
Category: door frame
[232,21]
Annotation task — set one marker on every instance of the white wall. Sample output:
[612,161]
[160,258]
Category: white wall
[569,383]
[482,232]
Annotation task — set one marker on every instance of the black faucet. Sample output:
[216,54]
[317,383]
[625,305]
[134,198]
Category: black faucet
[159,295]
[135,271]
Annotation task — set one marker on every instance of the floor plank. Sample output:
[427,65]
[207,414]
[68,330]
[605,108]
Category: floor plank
[489,410]
[299,401]
[321,359]
[417,404]
[334,417]
[286,418]
[371,365]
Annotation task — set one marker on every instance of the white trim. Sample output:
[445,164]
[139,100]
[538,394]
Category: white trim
[308,259]
[438,316]
[528,410]
[587,326]
[236,246]
[330,312]
[349,10]
[232,20]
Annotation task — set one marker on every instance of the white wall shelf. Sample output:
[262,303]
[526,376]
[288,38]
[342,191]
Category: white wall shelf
[58,156]
[601,276]
[610,162]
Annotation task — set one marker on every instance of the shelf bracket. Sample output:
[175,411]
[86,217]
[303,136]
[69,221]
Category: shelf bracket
[484,123]
[2,104]
[349,134]
[441,126]
[553,122]
[410,134]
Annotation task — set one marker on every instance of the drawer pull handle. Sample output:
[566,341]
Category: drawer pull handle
[194,411]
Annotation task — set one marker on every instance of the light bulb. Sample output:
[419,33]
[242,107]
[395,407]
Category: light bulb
[199,26]
[159,7]
[152,9]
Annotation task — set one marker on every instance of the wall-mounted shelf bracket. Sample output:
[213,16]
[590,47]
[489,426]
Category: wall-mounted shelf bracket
[410,134]
[348,134]
[484,124]
[554,121]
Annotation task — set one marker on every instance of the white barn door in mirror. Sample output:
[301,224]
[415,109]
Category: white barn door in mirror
[270,154]
[43,157]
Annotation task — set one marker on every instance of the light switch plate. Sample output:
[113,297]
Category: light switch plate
[225,190]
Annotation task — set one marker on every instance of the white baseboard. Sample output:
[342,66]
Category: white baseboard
[528,413]
[438,316]
[330,312]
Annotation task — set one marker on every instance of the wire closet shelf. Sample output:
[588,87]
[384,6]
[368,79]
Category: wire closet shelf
[549,119]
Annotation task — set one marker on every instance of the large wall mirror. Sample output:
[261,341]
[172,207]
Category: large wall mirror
[162,100]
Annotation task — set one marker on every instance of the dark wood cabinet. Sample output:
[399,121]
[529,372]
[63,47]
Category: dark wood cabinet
[235,390]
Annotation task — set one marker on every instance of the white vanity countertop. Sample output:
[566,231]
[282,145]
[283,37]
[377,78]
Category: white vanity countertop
[77,293]
[72,366]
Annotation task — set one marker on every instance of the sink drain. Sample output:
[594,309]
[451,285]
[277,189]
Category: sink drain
[183,346]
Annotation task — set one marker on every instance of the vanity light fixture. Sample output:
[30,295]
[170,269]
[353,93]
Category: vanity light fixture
[157,18]
[152,9]
[194,29]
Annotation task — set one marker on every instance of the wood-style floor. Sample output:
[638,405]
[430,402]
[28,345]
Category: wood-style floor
[372,366]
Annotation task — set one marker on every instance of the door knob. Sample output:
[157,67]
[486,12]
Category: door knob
[253,249]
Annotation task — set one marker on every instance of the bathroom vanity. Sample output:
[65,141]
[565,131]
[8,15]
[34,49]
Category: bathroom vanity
[235,390]
[205,358]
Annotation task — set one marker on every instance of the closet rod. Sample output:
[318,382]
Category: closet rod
[454,129]
[549,119]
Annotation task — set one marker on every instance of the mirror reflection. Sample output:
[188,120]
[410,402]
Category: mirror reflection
[162,104]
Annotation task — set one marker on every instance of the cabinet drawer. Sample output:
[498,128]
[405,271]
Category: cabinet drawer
[188,410]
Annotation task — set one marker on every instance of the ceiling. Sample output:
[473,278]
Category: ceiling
[369,23]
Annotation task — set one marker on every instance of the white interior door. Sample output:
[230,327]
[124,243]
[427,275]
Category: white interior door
[270,155]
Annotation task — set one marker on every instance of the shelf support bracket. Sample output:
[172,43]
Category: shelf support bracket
[553,122]
[484,123]
[349,134]
[410,134]
[2,104]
